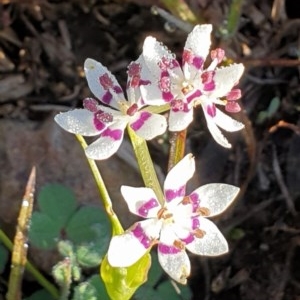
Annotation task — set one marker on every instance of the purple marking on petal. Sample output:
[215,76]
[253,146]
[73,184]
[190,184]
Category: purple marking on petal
[172,194]
[117,89]
[90,104]
[104,116]
[195,222]
[99,125]
[198,62]
[144,209]
[140,121]
[107,97]
[144,82]
[194,198]
[178,105]
[207,76]
[105,81]
[166,249]
[134,69]
[208,87]
[115,134]
[211,110]
[192,96]
[140,234]
[187,56]
[164,84]
[188,239]
[167,96]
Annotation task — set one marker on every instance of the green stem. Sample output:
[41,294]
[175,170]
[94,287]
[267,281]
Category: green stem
[181,10]
[116,225]
[145,164]
[177,148]
[31,268]
[233,17]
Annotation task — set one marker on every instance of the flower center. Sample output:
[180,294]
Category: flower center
[164,214]
[125,109]
[186,88]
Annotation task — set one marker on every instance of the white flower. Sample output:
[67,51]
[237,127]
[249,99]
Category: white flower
[177,224]
[193,85]
[110,120]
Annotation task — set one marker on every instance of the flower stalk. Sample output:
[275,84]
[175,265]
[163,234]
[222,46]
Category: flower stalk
[145,164]
[116,225]
[177,148]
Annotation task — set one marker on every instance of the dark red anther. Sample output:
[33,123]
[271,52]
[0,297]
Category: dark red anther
[132,109]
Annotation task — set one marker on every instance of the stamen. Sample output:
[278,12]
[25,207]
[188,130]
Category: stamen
[186,89]
[234,94]
[198,233]
[217,54]
[132,110]
[164,214]
[186,200]
[203,211]
[179,244]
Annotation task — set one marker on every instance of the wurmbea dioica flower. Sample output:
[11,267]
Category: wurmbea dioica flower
[193,84]
[180,222]
[109,120]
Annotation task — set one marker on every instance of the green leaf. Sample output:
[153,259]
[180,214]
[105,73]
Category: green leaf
[262,116]
[167,291]
[146,292]
[44,231]
[98,284]
[121,283]
[81,227]
[156,270]
[90,254]
[58,202]
[273,106]
[85,291]
[236,234]
[65,248]
[41,294]
[3,258]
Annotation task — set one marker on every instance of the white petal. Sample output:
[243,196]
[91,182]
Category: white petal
[125,249]
[225,79]
[141,201]
[148,125]
[108,143]
[138,76]
[198,41]
[77,121]
[180,120]
[226,122]
[175,262]
[93,71]
[174,186]
[216,196]
[153,53]
[215,131]
[212,243]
